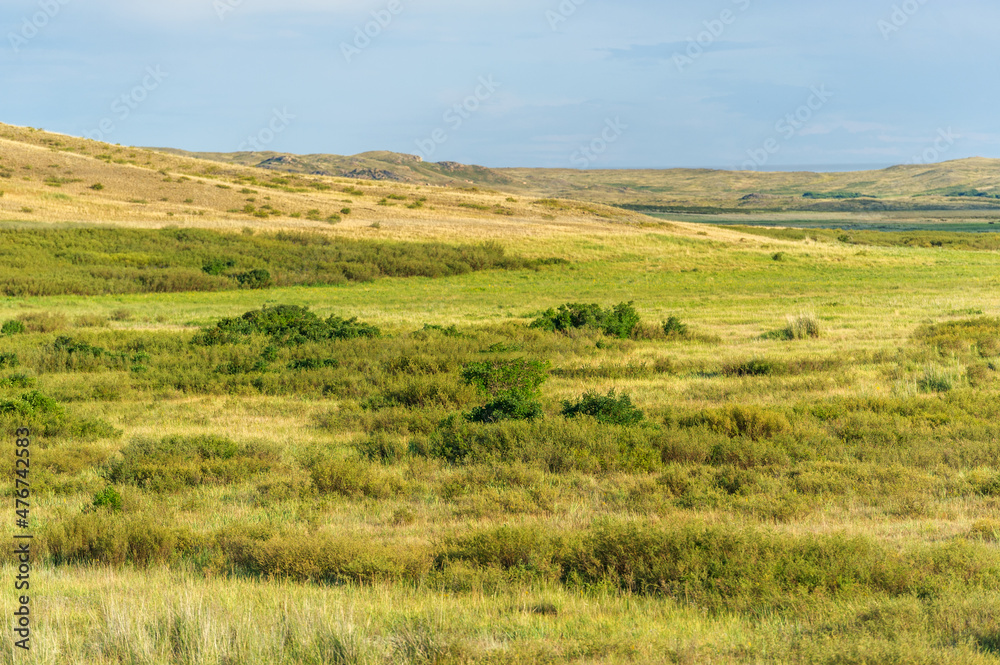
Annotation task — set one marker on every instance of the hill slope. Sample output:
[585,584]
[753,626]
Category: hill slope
[962,184]
[47,177]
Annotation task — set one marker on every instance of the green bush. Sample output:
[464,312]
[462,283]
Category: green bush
[514,386]
[8,360]
[108,498]
[13,327]
[217,266]
[619,321]
[754,367]
[507,407]
[254,279]
[674,328]
[286,325]
[610,409]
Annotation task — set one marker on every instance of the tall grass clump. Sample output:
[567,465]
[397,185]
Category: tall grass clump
[803,326]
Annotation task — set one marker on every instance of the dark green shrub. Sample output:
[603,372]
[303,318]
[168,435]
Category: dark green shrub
[508,407]
[8,360]
[286,325]
[313,363]
[514,386]
[619,321]
[503,377]
[17,381]
[754,367]
[254,279]
[674,328]
[108,498]
[609,409]
[13,327]
[217,266]
[29,404]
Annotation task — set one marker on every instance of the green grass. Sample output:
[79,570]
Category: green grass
[292,494]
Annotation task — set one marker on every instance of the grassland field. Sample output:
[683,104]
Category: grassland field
[221,477]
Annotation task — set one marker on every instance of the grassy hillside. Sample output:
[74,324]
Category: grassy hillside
[969,184]
[49,178]
[733,446]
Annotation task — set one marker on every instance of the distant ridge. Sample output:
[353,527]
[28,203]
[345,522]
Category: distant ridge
[965,184]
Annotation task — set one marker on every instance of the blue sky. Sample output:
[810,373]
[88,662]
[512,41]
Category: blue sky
[553,83]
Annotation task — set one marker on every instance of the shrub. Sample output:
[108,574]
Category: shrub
[514,386]
[29,404]
[175,462]
[12,327]
[803,326]
[749,421]
[609,409]
[500,377]
[674,328]
[285,325]
[97,187]
[981,334]
[108,498]
[619,321]
[8,360]
[754,367]
[254,279]
[104,538]
[508,407]
[217,266]
[313,363]
[354,479]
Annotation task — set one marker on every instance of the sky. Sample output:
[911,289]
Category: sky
[739,84]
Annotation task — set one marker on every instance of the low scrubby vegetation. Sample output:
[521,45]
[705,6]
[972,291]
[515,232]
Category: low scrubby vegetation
[90,261]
